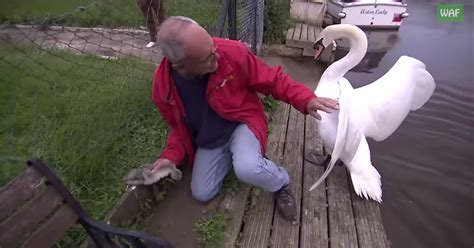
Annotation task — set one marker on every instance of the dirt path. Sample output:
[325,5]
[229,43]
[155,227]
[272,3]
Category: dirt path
[174,218]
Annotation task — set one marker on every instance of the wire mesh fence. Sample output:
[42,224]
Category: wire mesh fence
[75,87]
[249,22]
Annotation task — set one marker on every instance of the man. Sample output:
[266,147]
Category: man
[206,89]
[150,8]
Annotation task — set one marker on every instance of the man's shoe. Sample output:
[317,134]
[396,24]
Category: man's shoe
[285,203]
[150,44]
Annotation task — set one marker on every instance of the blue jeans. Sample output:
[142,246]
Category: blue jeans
[244,153]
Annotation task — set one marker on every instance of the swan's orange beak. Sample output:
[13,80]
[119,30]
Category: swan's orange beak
[318,52]
[319,48]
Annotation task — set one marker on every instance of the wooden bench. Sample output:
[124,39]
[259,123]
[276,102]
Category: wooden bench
[36,210]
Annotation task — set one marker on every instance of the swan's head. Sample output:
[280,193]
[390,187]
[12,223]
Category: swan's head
[334,32]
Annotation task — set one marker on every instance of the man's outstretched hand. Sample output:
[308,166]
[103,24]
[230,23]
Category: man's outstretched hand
[161,162]
[321,103]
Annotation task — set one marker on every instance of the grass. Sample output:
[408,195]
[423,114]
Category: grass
[271,105]
[104,13]
[210,229]
[277,19]
[90,119]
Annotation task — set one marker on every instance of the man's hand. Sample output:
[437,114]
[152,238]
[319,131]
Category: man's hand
[321,103]
[161,162]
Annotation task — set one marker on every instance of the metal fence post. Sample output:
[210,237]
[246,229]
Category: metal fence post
[260,25]
[254,33]
[232,19]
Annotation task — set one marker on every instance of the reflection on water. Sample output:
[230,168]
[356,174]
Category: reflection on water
[379,43]
[427,164]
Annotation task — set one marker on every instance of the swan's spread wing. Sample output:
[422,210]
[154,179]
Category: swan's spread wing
[348,135]
[384,104]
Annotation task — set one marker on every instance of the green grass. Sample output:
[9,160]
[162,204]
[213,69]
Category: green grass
[90,119]
[105,13]
[210,229]
[278,20]
[271,105]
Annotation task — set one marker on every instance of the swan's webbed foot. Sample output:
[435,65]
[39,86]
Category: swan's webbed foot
[317,158]
[320,159]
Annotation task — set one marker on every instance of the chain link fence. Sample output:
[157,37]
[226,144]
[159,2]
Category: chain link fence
[249,23]
[75,87]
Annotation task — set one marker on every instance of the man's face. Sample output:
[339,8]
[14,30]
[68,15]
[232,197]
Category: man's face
[201,56]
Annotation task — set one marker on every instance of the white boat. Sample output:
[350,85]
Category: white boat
[368,13]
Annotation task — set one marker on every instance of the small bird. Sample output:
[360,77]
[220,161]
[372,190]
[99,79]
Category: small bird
[143,175]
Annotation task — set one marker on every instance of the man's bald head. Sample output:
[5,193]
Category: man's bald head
[174,34]
[186,44]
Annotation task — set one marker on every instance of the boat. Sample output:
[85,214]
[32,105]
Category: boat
[368,13]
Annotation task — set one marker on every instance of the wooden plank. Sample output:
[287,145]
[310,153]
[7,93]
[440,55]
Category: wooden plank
[369,225]
[342,228]
[289,38]
[53,229]
[297,34]
[289,34]
[311,37]
[317,31]
[285,233]
[27,218]
[18,191]
[303,36]
[308,49]
[314,225]
[258,220]
[235,206]
[304,32]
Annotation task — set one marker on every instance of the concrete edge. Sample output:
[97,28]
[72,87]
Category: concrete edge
[282,50]
[95,29]
[134,204]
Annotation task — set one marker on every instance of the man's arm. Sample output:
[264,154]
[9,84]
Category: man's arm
[174,150]
[274,81]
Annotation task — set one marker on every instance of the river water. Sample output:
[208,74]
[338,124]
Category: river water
[427,164]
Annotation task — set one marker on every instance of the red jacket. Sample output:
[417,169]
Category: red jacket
[231,92]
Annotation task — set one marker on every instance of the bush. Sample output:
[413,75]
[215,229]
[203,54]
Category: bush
[277,20]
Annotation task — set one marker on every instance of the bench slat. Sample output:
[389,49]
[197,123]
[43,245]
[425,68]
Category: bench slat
[27,218]
[53,229]
[19,191]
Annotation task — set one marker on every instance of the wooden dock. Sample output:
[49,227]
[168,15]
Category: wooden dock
[310,17]
[329,216]
[303,36]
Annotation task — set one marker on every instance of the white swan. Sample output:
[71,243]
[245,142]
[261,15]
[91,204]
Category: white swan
[375,110]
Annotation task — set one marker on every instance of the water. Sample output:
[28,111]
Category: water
[427,164]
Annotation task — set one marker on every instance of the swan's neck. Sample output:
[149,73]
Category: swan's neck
[358,48]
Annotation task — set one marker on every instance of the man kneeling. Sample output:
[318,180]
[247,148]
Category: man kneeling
[207,91]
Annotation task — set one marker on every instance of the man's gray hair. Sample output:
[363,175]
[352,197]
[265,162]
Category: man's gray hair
[170,41]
